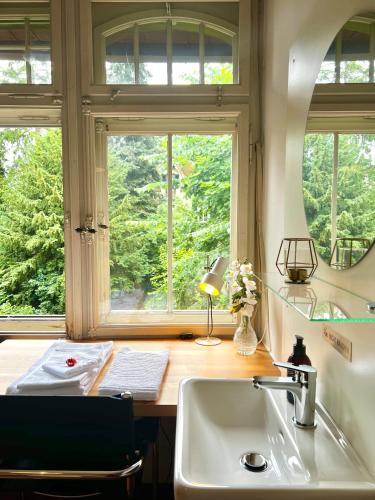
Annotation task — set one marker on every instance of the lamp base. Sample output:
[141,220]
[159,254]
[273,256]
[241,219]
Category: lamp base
[208,341]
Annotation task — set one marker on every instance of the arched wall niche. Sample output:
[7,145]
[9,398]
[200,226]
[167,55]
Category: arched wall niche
[300,33]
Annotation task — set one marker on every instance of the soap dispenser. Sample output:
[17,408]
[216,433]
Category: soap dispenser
[298,357]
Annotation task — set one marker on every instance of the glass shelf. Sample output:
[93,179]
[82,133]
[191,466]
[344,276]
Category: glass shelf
[319,300]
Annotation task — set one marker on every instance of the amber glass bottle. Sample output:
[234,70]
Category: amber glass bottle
[299,357]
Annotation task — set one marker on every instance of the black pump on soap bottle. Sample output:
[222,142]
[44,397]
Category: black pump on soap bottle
[299,357]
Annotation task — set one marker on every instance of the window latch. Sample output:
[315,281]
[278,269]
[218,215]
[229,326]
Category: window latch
[219,96]
[91,230]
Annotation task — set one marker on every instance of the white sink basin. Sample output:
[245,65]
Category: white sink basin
[219,420]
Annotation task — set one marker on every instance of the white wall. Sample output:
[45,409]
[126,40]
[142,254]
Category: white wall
[297,36]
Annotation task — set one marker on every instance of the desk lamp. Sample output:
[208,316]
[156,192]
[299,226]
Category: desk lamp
[211,284]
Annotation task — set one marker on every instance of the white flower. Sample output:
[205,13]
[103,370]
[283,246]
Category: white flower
[246,269]
[233,275]
[251,285]
[234,266]
[235,287]
[249,300]
[242,287]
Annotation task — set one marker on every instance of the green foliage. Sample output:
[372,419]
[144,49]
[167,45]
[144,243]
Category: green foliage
[139,214]
[355,187]
[31,218]
[137,210]
[31,222]
[214,74]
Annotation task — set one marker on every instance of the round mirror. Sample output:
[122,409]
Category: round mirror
[339,149]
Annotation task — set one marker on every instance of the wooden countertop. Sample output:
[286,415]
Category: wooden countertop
[187,359]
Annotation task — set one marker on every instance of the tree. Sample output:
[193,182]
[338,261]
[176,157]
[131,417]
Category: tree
[139,214]
[355,187]
[31,222]
[138,211]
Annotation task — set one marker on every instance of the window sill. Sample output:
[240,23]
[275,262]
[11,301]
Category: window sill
[29,325]
[160,330]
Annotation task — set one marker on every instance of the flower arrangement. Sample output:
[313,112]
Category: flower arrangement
[243,288]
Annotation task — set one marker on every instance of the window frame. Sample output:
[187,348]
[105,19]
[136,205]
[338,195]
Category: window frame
[16,91]
[116,27]
[47,325]
[89,87]
[356,122]
[340,57]
[80,105]
[239,224]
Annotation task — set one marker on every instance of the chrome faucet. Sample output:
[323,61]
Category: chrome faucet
[303,387]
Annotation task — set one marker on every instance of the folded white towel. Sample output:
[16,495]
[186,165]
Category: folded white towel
[38,381]
[139,372]
[56,364]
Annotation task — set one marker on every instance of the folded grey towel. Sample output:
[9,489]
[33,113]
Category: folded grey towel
[139,372]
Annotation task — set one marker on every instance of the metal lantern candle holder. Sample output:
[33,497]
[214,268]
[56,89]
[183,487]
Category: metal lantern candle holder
[297,259]
[348,251]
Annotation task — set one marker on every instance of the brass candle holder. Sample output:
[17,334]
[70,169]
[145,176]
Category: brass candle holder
[297,259]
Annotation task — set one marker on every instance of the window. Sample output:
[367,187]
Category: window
[170,46]
[168,206]
[31,224]
[350,58]
[116,236]
[339,193]
[25,46]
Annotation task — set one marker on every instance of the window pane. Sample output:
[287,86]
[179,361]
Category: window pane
[31,222]
[327,73]
[12,52]
[218,59]
[133,43]
[202,167]
[40,52]
[138,211]
[356,39]
[153,54]
[25,51]
[185,69]
[356,193]
[355,64]
[119,63]
[354,71]
[317,189]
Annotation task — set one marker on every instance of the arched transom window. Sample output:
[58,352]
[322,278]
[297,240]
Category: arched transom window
[178,49]
[351,56]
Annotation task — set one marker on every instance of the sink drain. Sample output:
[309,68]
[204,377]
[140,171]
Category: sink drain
[253,461]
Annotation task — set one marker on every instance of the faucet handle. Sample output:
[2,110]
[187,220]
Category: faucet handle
[296,368]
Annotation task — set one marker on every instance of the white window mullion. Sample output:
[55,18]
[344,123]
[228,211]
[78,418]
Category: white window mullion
[235,59]
[334,189]
[372,53]
[338,57]
[169,52]
[136,53]
[28,50]
[201,53]
[170,226]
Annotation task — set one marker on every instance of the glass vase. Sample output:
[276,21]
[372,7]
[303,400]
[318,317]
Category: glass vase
[245,338]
